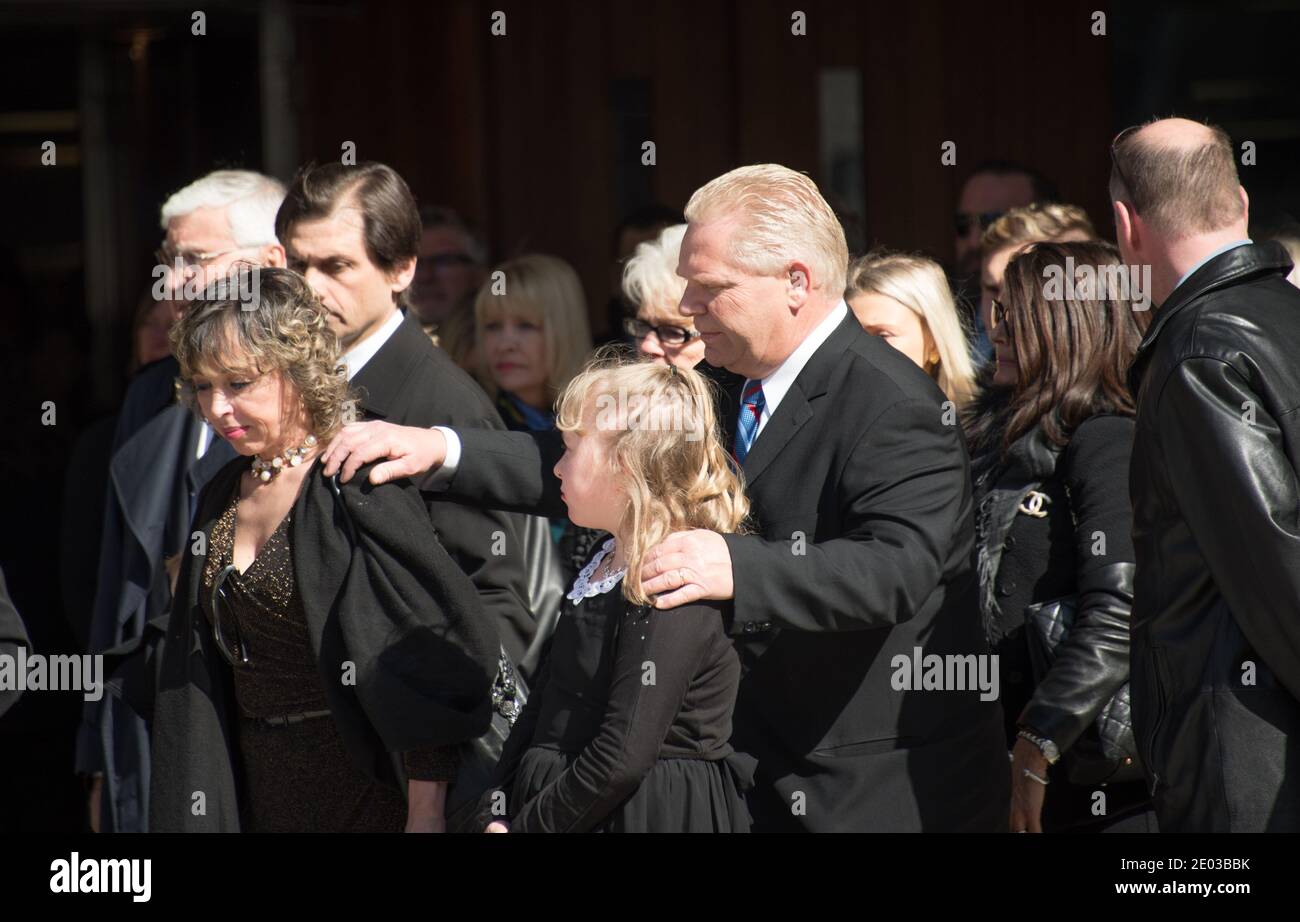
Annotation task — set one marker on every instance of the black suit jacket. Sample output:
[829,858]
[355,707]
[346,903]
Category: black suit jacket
[412,382]
[153,483]
[861,555]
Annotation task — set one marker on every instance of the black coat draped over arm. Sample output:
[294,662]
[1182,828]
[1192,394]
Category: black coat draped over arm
[405,651]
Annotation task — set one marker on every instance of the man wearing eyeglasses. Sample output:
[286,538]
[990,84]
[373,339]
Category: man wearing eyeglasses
[452,264]
[991,190]
[162,458]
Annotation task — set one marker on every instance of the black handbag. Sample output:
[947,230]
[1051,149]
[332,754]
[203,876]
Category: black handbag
[479,757]
[1107,751]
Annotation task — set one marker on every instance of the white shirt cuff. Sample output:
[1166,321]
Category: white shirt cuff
[440,479]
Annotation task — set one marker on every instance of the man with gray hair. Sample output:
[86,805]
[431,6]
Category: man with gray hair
[162,457]
[1215,480]
[868,685]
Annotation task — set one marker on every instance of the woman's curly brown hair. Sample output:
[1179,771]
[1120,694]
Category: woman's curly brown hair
[267,320]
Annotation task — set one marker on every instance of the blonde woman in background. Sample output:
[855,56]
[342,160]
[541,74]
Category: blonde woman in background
[905,299]
[532,334]
[531,337]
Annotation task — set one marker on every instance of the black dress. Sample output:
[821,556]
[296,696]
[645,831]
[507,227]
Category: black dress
[627,727]
[296,776]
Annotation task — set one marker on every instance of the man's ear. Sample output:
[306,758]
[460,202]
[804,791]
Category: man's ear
[800,277]
[1125,225]
[401,276]
[1245,205]
[273,256]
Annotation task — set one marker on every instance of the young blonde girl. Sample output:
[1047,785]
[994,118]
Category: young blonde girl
[627,727]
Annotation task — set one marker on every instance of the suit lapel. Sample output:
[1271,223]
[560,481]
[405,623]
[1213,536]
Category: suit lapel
[381,380]
[797,406]
[731,411]
[793,412]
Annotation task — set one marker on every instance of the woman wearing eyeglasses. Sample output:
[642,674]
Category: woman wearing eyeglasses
[325,657]
[1054,548]
[650,281]
[661,332]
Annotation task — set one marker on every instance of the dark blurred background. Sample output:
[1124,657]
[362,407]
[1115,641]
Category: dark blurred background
[536,137]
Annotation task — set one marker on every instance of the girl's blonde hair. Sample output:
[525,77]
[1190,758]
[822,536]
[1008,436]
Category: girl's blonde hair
[543,290]
[661,433]
[919,284]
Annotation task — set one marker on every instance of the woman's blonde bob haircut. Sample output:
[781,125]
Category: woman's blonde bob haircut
[650,278]
[282,328]
[919,284]
[668,453]
[782,219]
[546,291]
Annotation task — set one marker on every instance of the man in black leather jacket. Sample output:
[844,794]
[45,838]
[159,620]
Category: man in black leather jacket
[1215,488]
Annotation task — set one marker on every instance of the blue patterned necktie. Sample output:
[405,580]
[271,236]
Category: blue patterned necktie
[751,411]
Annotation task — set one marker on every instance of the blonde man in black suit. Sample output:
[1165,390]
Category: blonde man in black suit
[858,568]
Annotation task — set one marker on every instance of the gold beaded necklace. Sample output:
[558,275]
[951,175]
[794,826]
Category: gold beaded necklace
[290,457]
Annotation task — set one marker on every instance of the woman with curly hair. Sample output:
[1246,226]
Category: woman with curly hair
[324,657]
[627,727]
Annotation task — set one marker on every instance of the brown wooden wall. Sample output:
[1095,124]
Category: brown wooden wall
[517,131]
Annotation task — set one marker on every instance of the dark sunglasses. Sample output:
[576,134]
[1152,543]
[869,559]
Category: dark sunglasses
[1114,149]
[668,335]
[963,222]
[999,313]
[219,604]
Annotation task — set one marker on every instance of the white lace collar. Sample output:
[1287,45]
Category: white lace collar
[584,588]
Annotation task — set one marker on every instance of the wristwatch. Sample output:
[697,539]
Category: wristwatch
[1049,750]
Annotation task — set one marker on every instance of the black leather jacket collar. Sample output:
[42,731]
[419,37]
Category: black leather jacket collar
[1233,267]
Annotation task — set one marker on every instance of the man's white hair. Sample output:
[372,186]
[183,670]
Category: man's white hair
[650,277]
[782,219]
[250,199]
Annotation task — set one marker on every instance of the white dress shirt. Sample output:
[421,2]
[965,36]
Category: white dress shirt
[775,386]
[205,439]
[356,357]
